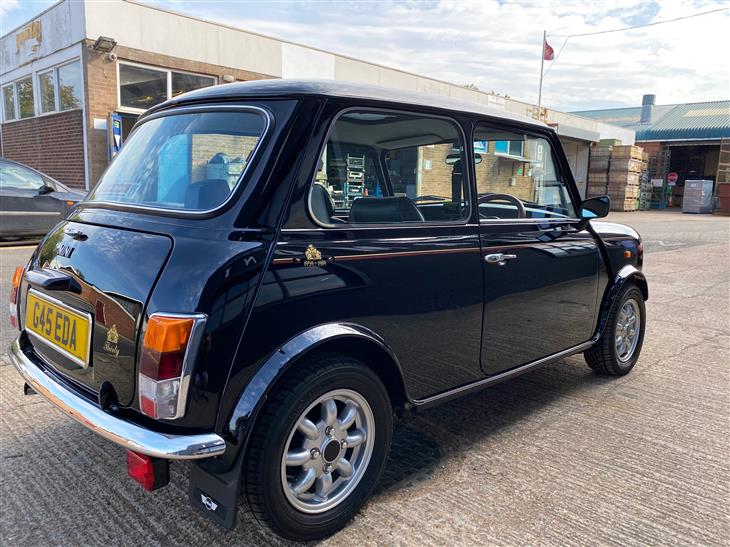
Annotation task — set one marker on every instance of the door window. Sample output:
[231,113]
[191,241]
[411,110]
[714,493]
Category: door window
[18,177]
[516,177]
[387,167]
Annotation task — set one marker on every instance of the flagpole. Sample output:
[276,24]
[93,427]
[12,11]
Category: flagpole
[542,65]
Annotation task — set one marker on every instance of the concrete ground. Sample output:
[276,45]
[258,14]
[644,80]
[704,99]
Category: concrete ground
[556,457]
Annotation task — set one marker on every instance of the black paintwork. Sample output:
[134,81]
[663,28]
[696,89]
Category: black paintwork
[418,303]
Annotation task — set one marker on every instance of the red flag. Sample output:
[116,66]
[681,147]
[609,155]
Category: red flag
[548,53]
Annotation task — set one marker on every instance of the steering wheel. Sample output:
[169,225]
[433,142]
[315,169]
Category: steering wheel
[505,197]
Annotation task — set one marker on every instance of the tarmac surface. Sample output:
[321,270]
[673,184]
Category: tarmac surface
[560,456]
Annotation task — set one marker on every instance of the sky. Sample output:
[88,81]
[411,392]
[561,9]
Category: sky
[496,44]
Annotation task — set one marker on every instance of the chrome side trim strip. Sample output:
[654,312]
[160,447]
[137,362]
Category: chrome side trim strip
[501,377]
[126,434]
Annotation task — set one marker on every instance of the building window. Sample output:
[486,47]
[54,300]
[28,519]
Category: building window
[47,88]
[182,82]
[508,148]
[57,89]
[24,89]
[142,87]
[9,102]
[69,86]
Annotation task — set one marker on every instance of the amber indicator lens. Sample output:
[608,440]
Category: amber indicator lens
[13,298]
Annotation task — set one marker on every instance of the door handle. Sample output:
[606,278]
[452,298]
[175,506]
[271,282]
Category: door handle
[498,258]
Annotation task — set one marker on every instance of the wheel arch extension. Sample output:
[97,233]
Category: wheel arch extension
[627,274]
[346,338]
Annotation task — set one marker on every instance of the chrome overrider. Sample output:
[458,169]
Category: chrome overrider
[126,434]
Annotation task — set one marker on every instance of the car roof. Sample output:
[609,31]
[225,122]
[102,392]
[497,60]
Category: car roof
[340,89]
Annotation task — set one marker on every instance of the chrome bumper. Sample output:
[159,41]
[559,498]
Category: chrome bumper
[126,434]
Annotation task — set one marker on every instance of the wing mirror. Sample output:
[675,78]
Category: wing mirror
[597,207]
[45,189]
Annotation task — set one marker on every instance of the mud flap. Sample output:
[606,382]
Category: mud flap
[215,492]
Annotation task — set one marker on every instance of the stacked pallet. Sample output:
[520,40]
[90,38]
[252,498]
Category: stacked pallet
[598,170]
[658,167]
[645,191]
[624,177]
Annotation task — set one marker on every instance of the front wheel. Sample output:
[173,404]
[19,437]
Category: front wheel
[618,349]
[319,448]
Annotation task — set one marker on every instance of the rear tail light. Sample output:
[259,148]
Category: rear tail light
[164,368]
[13,304]
[151,473]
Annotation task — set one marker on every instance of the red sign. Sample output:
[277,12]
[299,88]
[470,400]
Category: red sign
[672,177]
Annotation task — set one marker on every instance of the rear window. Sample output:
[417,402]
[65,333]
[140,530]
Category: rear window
[190,162]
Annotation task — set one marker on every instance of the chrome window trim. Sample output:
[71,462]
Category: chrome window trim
[358,227]
[188,110]
[431,224]
[48,343]
[566,220]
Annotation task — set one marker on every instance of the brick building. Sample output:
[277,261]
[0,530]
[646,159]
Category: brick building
[73,66]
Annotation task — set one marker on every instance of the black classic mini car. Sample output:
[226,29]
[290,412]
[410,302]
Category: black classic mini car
[269,272]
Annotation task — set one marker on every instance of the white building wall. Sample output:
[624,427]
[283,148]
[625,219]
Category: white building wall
[303,62]
[52,31]
[159,31]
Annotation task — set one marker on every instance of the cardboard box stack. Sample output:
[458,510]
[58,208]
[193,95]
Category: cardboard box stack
[616,170]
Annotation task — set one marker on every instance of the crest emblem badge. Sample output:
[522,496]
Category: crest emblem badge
[112,339]
[112,336]
[313,257]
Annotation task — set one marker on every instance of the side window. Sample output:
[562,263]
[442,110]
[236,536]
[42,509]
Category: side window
[19,178]
[383,167]
[517,178]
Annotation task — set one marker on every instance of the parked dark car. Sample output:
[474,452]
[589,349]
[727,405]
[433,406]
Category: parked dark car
[368,253]
[31,203]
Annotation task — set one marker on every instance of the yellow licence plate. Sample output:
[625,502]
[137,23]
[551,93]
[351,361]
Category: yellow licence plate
[66,329]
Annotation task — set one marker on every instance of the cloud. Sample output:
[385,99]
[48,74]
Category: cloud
[6,6]
[496,44]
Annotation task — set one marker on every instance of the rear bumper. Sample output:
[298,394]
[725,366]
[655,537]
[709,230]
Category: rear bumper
[126,434]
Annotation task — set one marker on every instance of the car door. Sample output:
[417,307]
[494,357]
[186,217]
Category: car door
[27,207]
[391,248]
[540,270]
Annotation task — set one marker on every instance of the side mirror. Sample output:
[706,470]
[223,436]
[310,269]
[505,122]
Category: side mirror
[45,189]
[597,207]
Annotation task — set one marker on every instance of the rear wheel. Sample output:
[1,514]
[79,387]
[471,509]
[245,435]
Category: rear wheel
[618,349]
[319,448]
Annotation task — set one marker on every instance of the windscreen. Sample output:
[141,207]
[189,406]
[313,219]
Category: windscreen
[190,161]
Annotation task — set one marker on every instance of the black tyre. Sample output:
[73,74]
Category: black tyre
[618,349]
[318,448]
